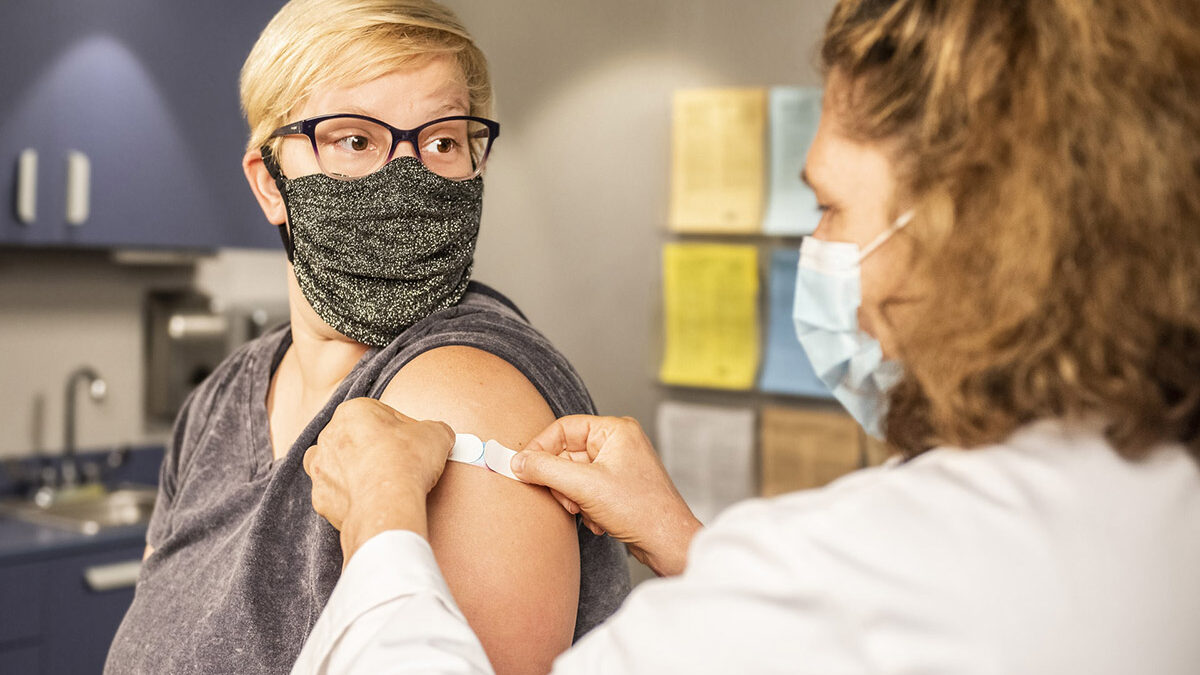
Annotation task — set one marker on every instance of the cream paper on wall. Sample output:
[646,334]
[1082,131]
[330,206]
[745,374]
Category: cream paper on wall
[709,453]
[711,315]
[804,449]
[718,160]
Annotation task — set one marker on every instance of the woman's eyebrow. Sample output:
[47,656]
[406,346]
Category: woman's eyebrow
[457,107]
[448,108]
[452,97]
[355,110]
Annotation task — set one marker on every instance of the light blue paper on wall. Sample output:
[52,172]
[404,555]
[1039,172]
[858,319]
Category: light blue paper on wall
[786,369]
[793,113]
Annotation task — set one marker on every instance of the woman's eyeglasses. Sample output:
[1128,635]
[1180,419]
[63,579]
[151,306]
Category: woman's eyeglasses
[351,146]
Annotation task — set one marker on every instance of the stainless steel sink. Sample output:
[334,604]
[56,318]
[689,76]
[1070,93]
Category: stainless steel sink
[87,511]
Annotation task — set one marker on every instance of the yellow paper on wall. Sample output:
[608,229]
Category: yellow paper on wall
[718,161]
[804,449]
[711,315]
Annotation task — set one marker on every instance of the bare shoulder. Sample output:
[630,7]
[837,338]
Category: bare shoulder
[473,391]
[508,550]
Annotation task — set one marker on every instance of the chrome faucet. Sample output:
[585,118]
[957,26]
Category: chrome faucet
[97,389]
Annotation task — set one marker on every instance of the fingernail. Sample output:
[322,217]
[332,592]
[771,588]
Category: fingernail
[517,463]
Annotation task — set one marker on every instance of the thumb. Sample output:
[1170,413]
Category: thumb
[573,479]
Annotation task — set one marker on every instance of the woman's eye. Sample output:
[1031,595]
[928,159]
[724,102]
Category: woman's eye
[443,145]
[355,143]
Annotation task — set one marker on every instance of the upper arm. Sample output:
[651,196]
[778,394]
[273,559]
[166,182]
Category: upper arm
[509,552]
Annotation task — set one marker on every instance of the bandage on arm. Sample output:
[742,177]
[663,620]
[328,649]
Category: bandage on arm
[470,449]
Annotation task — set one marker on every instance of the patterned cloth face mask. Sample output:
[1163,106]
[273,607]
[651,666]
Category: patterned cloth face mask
[379,253]
[848,360]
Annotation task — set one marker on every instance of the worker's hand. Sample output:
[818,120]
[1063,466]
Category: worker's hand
[606,469]
[372,469]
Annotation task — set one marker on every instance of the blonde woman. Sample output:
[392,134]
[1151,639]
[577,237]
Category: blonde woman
[369,134]
[1011,196]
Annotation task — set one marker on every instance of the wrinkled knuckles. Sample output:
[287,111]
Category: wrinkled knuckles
[358,407]
[445,430]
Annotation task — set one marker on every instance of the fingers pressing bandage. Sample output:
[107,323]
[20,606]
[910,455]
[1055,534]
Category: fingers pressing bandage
[470,449]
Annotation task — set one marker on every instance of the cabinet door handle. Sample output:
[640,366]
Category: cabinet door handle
[27,167]
[79,187]
[113,577]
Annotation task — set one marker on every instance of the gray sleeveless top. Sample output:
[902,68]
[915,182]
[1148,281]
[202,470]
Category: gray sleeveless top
[242,565]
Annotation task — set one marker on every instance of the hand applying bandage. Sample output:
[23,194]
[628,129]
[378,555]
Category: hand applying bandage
[606,469]
[372,469]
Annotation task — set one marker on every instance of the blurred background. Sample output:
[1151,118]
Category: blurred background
[133,257]
[576,194]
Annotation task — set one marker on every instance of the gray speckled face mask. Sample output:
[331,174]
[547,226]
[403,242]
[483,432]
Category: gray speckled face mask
[377,254]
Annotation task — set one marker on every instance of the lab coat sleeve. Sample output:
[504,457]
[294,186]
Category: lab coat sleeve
[737,608]
[392,613]
[792,584]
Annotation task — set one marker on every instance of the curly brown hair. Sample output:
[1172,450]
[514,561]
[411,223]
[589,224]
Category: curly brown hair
[1051,150]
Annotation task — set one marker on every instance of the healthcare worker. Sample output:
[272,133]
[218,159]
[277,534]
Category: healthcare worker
[1006,283]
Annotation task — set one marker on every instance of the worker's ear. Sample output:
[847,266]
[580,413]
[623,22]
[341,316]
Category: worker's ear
[262,184]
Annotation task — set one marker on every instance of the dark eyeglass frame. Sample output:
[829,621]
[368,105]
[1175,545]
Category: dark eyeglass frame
[308,127]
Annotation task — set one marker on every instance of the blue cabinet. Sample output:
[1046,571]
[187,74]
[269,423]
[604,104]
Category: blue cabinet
[21,593]
[80,619]
[147,92]
[54,621]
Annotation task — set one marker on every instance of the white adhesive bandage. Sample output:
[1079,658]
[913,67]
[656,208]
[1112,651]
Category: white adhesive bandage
[498,458]
[470,449]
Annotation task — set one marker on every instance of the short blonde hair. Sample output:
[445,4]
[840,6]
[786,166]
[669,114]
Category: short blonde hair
[1051,151]
[311,44]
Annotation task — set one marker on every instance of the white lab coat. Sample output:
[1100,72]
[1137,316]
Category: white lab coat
[1047,554]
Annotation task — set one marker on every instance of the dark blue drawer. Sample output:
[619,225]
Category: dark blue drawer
[20,660]
[22,591]
[82,619]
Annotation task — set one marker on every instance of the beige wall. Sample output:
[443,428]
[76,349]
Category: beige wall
[62,310]
[576,202]
[574,217]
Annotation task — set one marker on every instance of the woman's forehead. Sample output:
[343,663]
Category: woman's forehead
[841,166]
[405,97]
[836,162]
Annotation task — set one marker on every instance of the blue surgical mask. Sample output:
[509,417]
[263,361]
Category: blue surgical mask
[849,361]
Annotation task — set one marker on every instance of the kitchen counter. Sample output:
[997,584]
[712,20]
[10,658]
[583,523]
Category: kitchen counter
[21,541]
[68,590]
[24,542]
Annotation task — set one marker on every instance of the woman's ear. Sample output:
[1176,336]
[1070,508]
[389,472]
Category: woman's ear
[264,188]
